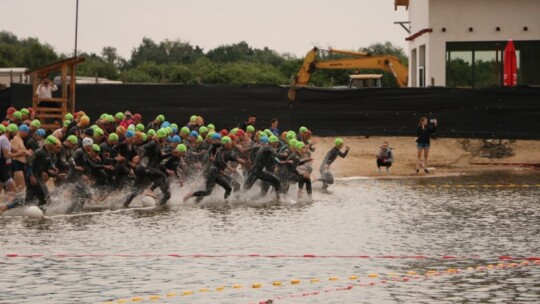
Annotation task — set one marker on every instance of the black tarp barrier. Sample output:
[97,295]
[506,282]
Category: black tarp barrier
[486,113]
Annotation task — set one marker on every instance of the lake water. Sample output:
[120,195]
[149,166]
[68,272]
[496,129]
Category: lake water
[360,227]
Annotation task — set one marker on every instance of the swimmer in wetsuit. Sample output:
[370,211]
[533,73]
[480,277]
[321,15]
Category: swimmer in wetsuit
[266,158]
[152,153]
[216,172]
[326,176]
[39,167]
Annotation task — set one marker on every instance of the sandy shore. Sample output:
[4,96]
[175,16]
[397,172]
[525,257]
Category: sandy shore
[447,156]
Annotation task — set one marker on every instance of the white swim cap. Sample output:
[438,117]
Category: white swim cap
[87,142]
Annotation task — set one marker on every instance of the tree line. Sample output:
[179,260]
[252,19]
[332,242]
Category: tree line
[176,61]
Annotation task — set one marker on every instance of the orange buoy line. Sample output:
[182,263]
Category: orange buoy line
[353,281]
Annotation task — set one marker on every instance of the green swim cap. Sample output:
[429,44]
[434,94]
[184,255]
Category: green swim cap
[226,140]
[51,140]
[299,145]
[184,130]
[262,134]
[273,139]
[36,123]
[203,129]
[12,128]
[73,139]
[25,111]
[113,137]
[17,115]
[193,118]
[211,127]
[268,132]
[144,137]
[233,131]
[199,138]
[139,127]
[303,130]
[93,127]
[338,141]
[96,148]
[174,126]
[68,116]
[250,129]
[160,117]
[161,133]
[290,136]
[2,128]
[109,118]
[65,124]
[119,116]
[169,130]
[292,142]
[210,134]
[181,148]
[98,131]
[292,132]
[151,132]
[103,116]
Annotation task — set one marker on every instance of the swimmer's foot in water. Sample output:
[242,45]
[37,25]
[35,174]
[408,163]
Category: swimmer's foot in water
[150,193]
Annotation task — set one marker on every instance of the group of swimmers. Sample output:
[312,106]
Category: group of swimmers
[119,151]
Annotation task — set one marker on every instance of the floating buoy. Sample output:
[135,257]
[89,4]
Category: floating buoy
[33,212]
[148,201]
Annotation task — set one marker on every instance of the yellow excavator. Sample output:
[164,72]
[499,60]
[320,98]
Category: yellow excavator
[357,60]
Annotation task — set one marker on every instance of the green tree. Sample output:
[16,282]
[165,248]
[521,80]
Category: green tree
[97,66]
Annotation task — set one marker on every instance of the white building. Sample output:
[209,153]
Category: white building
[460,43]
[15,75]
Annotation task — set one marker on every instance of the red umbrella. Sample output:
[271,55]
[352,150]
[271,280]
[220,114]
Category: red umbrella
[510,65]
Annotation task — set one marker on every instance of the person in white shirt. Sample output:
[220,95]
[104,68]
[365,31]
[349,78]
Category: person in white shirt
[45,88]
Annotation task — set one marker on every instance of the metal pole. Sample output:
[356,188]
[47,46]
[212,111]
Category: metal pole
[76,25]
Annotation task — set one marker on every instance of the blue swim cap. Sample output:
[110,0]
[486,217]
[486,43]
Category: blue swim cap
[194,134]
[130,133]
[216,136]
[264,139]
[174,130]
[165,124]
[24,128]
[176,139]
[41,132]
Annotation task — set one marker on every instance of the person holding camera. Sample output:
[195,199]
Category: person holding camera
[385,157]
[424,132]
[45,88]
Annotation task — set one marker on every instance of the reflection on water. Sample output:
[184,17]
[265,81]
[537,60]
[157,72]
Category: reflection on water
[455,216]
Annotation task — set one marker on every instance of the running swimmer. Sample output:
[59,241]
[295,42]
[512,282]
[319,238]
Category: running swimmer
[216,172]
[152,153]
[326,176]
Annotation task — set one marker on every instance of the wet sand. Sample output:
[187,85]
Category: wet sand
[447,157]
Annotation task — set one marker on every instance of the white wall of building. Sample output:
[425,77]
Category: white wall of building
[456,16]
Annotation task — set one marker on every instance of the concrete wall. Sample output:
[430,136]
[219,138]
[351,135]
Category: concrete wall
[456,16]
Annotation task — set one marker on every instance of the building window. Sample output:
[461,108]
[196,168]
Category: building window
[480,64]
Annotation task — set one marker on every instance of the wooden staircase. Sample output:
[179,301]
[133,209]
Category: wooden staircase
[51,111]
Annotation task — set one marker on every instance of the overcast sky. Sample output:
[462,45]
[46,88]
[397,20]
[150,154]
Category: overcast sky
[287,26]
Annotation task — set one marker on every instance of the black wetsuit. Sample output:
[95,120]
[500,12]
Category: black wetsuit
[148,170]
[216,175]
[122,170]
[168,163]
[294,175]
[81,192]
[62,163]
[266,158]
[326,176]
[40,162]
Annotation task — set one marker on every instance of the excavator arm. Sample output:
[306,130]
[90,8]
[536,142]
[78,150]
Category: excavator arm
[358,60]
